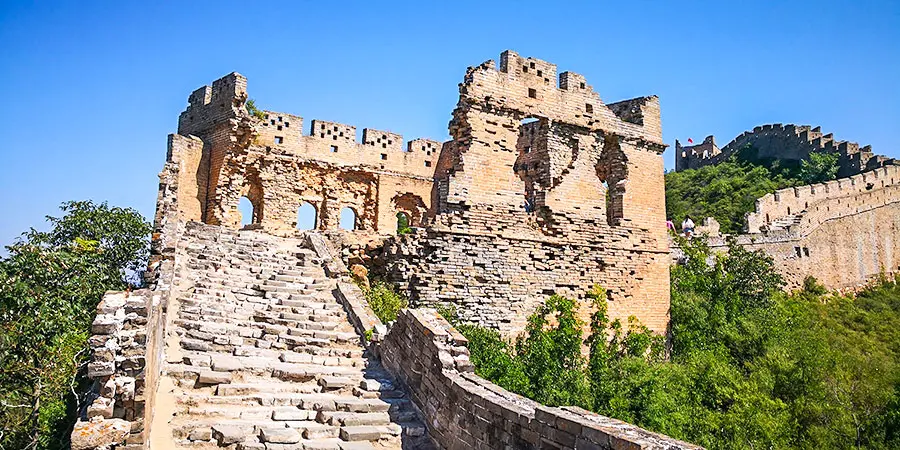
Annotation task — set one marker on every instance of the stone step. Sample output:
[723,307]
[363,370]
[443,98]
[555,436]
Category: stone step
[369,432]
[343,418]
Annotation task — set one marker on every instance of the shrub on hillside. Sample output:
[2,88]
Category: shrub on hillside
[50,285]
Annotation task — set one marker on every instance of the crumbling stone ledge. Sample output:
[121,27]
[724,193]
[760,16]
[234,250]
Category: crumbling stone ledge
[124,328]
[462,410]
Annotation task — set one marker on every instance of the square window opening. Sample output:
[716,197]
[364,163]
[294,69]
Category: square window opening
[532,93]
[334,149]
[384,156]
[279,139]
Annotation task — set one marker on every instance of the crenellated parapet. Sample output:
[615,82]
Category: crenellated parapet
[782,142]
[787,207]
[337,143]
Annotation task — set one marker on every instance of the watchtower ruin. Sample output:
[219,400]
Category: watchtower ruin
[542,189]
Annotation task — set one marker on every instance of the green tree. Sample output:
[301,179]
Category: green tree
[819,167]
[253,110]
[749,367]
[50,284]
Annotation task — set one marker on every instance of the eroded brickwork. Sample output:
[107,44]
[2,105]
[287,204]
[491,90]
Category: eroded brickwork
[274,164]
[592,175]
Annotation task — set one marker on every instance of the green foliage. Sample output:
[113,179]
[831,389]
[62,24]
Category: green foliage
[728,191]
[818,168]
[50,284]
[403,223]
[749,366]
[385,301]
[253,110]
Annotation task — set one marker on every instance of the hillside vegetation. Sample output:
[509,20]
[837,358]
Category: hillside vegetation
[748,365]
[50,285]
[728,191]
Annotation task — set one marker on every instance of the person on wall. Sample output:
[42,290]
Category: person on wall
[687,227]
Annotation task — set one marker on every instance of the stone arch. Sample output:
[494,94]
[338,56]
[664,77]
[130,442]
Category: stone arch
[307,216]
[246,210]
[349,219]
[251,190]
[412,205]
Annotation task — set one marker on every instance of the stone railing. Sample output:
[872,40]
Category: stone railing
[462,410]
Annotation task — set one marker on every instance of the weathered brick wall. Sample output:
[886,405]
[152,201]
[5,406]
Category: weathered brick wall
[463,410]
[271,162]
[594,175]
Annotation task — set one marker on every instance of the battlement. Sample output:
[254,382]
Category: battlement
[337,143]
[327,141]
[785,142]
[210,105]
[532,87]
[795,201]
[694,156]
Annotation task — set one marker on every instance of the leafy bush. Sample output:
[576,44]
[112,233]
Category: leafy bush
[749,366]
[50,285]
[385,301]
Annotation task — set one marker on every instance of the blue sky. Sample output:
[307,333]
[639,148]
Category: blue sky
[91,89]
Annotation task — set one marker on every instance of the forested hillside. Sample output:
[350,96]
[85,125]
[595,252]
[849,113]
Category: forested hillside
[729,190]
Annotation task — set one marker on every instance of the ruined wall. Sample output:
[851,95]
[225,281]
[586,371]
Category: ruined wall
[785,142]
[696,156]
[591,173]
[594,175]
[465,411]
[271,162]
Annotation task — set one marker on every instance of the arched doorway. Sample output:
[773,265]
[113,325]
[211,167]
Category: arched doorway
[247,211]
[307,217]
[348,219]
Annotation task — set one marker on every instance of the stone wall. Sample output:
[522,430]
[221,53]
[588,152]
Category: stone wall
[844,232]
[805,199]
[278,168]
[463,410]
[592,175]
[784,142]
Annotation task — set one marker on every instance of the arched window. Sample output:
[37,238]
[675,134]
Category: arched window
[403,223]
[348,219]
[245,207]
[307,217]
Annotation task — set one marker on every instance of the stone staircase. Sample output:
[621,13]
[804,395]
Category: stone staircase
[785,223]
[261,356]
